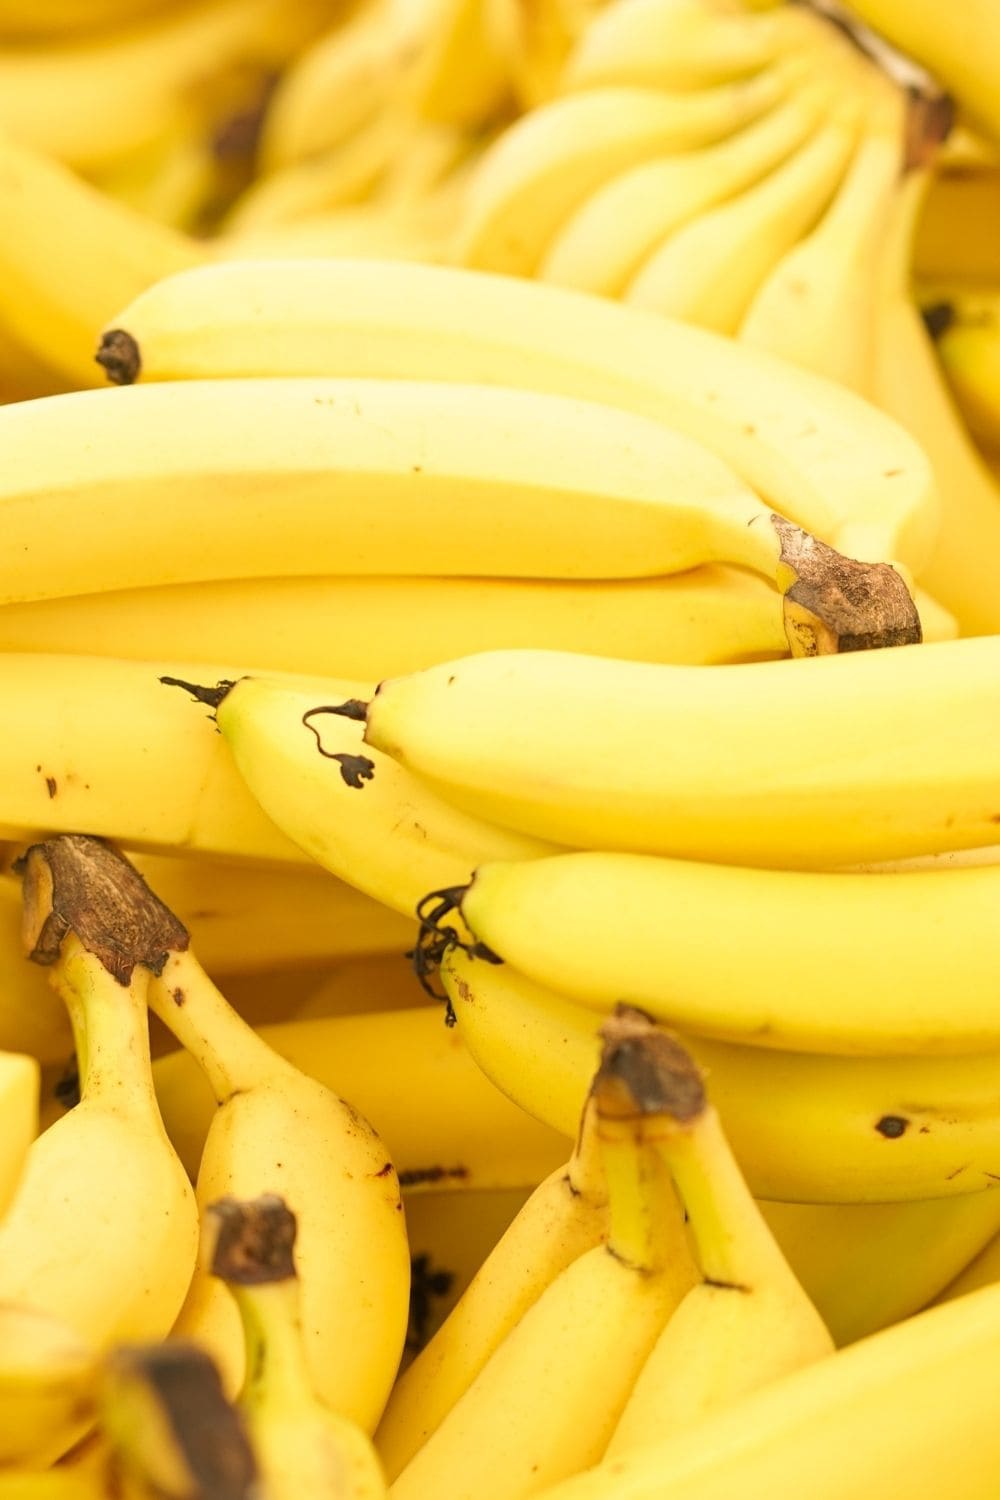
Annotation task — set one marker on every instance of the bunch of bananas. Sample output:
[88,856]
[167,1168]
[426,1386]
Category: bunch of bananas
[500,839]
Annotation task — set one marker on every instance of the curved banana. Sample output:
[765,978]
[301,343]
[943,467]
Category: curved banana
[816,803]
[869,1140]
[908,383]
[540,38]
[20,1083]
[278,1130]
[302,1445]
[747,1321]
[817,305]
[817,453]
[709,269]
[842,1426]
[370,628]
[48,1386]
[563,1373]
[382,476]
[603,244]
[969,350]
[105,1175]
[33,20]
[916,937]
[462,75]
[72,255]
[499,1146]
[544,166]
[565,1216]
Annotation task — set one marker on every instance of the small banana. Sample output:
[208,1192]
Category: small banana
[969,349]
[48,1386]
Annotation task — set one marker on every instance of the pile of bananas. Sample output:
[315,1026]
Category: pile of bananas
[500,791]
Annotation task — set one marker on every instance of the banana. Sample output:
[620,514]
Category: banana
[462,75]
[815,452]
[603,244]
[910,1406]
[866,1266]
[302,1446]
[35,20]
[564,1217]
[960,51]
[969,350]
[708,270]
[686,44]
[563,1373]
[817,305]
[546,164]
[384,476]
[170,1430]
[276,1129]
[499,1146]
[370,628]
[747,1321]
[819,803]
[541,37]
[51,1484]
[48,1386]
[982,1270]
[915,937]
[106,1171]
[868,1140]
[358,985]
[94,101]
[73,257]
[101,745]
[908,383]
[20,1084]
[957,232]
[370,230]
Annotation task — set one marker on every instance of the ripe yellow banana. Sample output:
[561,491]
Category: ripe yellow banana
[170,1430]
[969,350]
[957,232]
[278,1130]
[48,1386]
[983,1270]
[909,385]
[815,452]
[911,1406]
[563,1373]
[541,37]
[545,165]
[603,244]
[106,1171]
[878,1129]
[20,1082]
[747,1321]
[73,257]
[370,628]
[364,1057]
[375,476]
[817,305]
[484,729]
[565,1216]
[462,75]
[916,937]
[302,1445]
[708,270]
[35,20]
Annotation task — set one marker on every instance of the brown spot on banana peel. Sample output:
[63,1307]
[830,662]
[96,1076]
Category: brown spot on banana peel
[835,604]
[80,884]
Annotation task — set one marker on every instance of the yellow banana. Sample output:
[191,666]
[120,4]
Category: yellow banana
[916,937]
[603,244]
[957,232]
[541,36]
[35,20]
[708,270]
[565,1216]
[816,803]
[563,1373]
[817,305]
[20,1082]
[815,452]
[370,628]
[302,1446]
[909,385]
[383,476]
[106,1170]
[48,1386]
[546,164]
[969,350]
[357,985]
[747,1321]
[982,1270]
[462,75]
[500,1146]
[72,255]
[869,1140]
[910,1406]
[278,1130]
